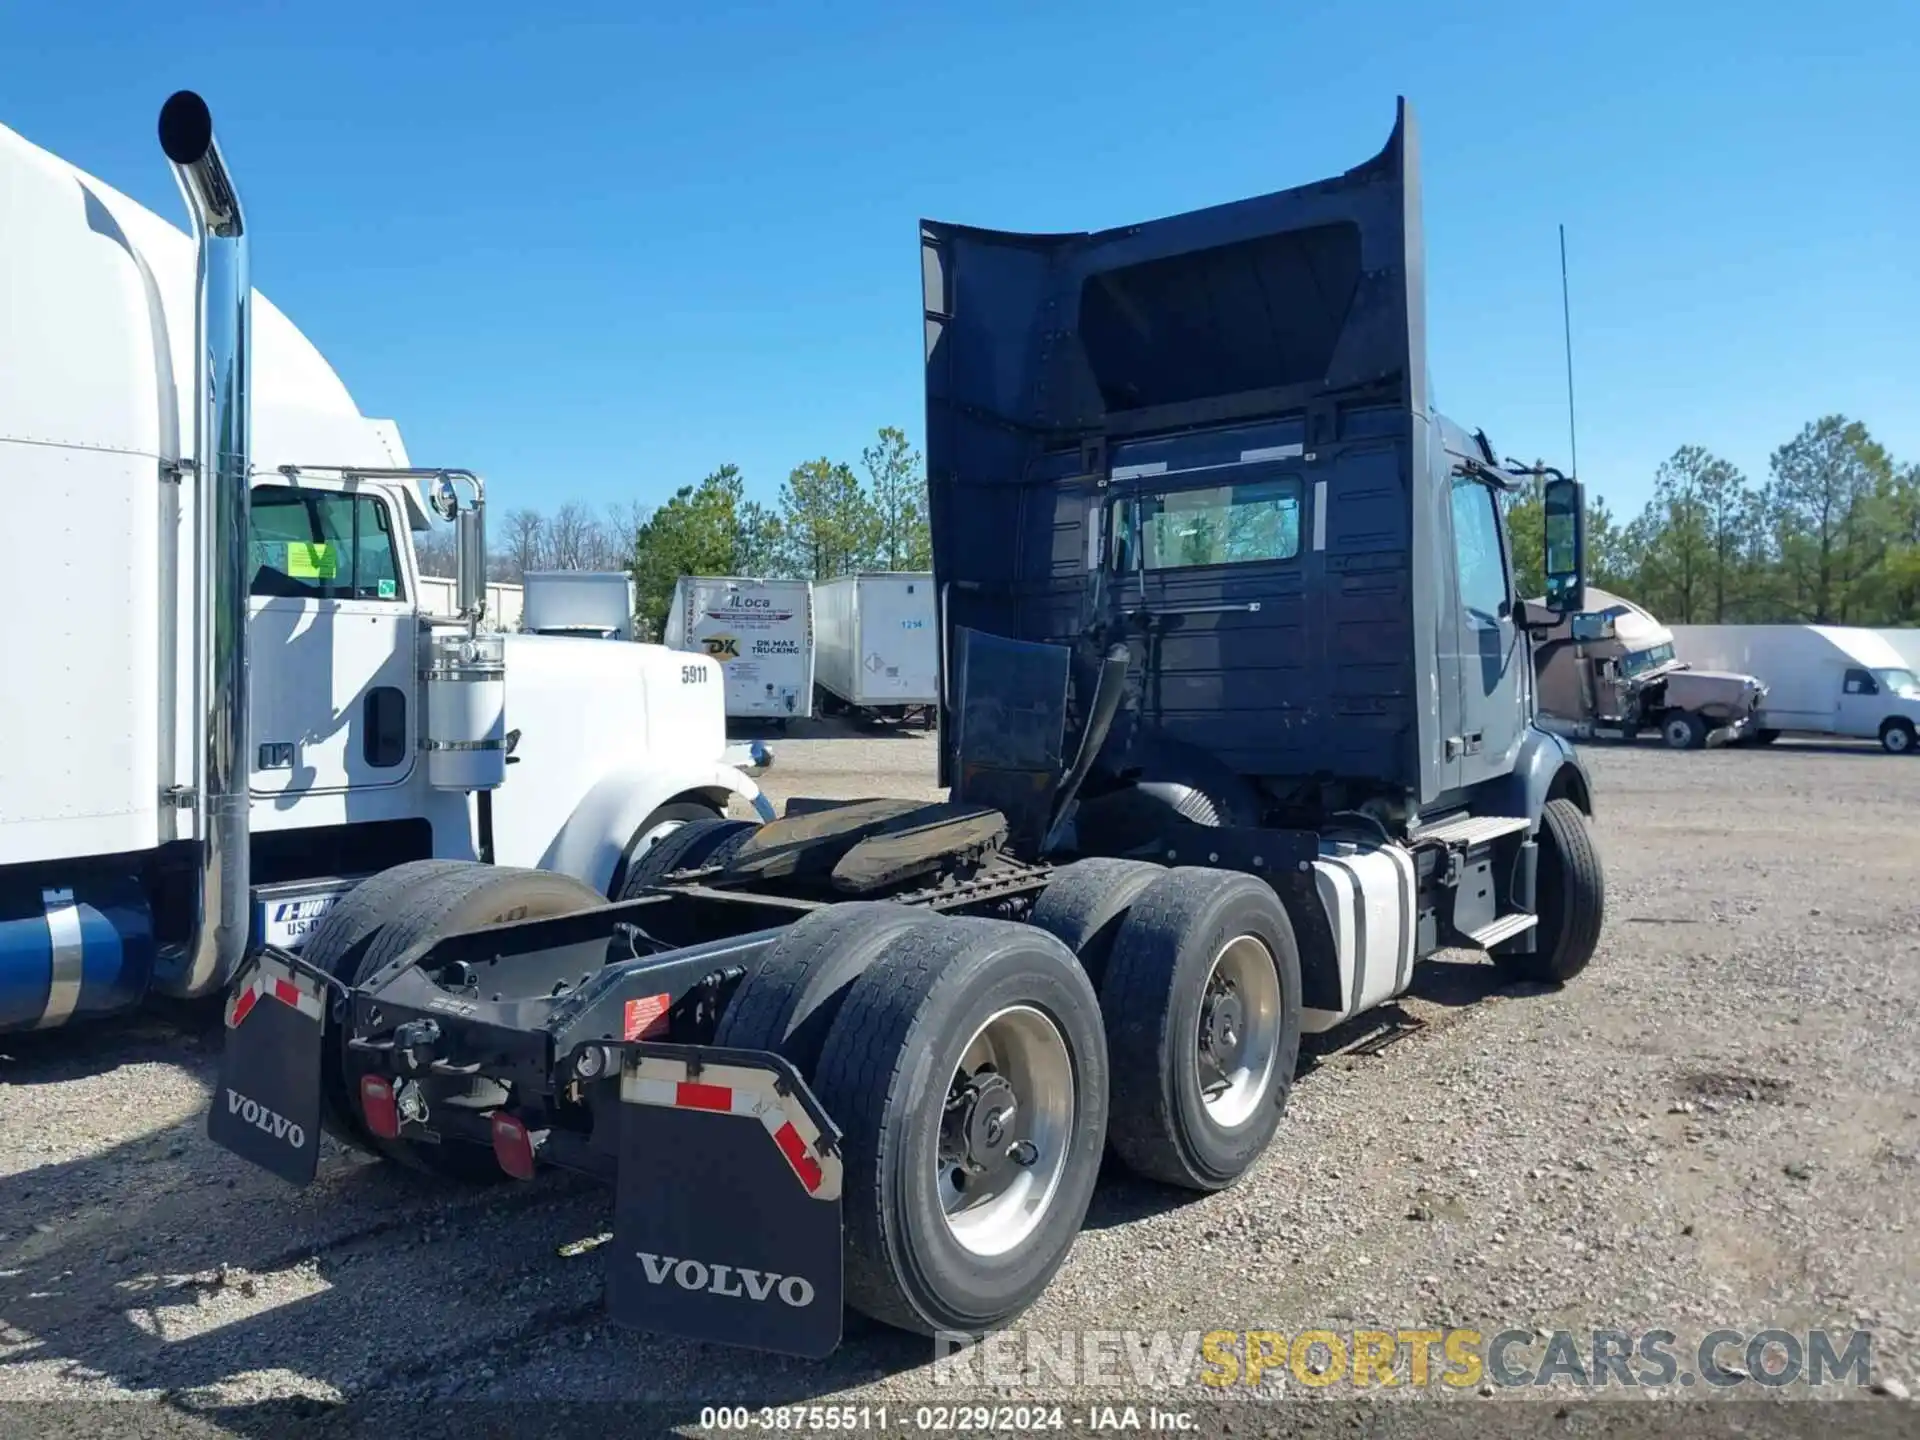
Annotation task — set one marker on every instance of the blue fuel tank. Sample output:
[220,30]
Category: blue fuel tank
[70,952]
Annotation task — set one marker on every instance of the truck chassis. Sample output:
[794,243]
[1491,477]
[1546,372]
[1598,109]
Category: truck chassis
[862,1056]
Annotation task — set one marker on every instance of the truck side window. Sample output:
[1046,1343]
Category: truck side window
[1859,682]
[1220,525]
[1476,543]
[323,545]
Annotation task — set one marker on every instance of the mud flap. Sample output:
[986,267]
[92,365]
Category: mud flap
[726,1212]
[266,1105]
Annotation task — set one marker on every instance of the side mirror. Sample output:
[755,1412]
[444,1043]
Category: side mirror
[1587,627]
[1566,546]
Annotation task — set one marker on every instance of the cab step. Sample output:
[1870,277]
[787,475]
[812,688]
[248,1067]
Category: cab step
[1505,928]
[1467,831]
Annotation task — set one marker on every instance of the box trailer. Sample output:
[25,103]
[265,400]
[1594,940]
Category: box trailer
[1820,679]
[761,632]
[877,645]
[591,604]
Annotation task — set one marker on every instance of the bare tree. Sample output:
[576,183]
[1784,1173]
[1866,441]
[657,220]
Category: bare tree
[621,530]
[526,543]
[575,538]
[436,551]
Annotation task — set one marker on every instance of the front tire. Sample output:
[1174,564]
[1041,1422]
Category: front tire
[1682,730]
[963,1044]
[1897,737]
[1202,1006]
[1570,897]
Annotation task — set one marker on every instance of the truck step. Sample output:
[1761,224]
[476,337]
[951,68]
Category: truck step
[1505,928]
[1469,830]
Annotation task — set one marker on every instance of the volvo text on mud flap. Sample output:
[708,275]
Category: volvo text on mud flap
[737,1239]
[266,1103]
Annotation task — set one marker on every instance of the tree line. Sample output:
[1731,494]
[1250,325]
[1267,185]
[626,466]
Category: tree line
[1831,536]
[828,521]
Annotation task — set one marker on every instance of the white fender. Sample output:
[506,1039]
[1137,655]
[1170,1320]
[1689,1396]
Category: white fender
[591,843]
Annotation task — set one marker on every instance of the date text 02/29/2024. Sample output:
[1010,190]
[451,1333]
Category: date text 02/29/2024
[962,1419]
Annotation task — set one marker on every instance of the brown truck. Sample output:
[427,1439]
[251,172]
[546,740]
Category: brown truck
[1609,672]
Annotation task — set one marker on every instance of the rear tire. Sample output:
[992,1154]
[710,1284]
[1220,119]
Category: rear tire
[790,1002]
[1208,950]
[1570,897]
[469,897]
[1897,737]
[336,946]
[1682,730]
[1012,1002]
[1085,902]
[705,840]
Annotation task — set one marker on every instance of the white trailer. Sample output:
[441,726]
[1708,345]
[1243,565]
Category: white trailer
[224,703]
[877,645]
[1821,679]
[761,632]
[586,604]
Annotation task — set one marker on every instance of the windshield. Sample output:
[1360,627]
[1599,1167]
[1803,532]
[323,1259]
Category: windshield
[1638,662]
[1899,682]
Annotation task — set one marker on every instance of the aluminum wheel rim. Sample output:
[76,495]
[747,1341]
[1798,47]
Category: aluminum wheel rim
[651,838]
[1232,1090]
[994,1212]
[1898,740]
[1679,734]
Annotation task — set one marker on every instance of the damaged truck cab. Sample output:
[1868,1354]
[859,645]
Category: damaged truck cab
[1237,728]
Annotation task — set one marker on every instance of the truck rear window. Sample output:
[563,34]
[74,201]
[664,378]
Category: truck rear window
[323,545]
[1219,525]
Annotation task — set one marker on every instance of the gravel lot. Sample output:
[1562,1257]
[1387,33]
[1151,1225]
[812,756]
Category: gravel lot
[1719,1124]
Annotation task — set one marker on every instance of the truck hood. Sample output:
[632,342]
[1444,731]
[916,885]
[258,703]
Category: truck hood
[1696,689]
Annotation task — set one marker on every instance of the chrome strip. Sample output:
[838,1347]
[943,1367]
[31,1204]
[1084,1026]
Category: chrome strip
[1319,514]
[69,957]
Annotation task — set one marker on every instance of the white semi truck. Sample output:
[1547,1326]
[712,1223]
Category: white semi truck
[224,704]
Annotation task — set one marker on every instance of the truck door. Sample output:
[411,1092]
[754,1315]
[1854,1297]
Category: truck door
[1861,707]
[332,636]
[1492,710]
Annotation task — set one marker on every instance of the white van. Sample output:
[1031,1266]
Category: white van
[761,632]
[1821,679]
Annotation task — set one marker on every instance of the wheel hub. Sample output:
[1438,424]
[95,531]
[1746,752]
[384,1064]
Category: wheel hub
[978,1129]
[1222,1025]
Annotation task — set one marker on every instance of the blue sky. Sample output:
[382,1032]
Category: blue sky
[595,256]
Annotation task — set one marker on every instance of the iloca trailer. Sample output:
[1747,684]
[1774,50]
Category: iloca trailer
[877,646]
[1820,679]
[225,706]
[760,632]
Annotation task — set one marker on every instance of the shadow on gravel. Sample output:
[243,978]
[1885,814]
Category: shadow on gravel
[176,1034]
[822,728]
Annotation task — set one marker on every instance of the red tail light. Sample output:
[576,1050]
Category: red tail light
[378,1108]
[512,1146]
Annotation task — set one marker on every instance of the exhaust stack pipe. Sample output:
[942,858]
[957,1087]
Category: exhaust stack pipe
[223,509]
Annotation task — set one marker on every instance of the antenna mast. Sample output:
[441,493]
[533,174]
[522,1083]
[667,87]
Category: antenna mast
[1566,319]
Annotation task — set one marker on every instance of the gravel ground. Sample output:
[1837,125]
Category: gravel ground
[1717,1125]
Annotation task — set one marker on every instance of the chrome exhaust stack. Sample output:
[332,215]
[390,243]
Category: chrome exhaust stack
[222,459]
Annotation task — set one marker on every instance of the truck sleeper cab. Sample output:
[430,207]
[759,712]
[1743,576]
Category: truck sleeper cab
[1236,728]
